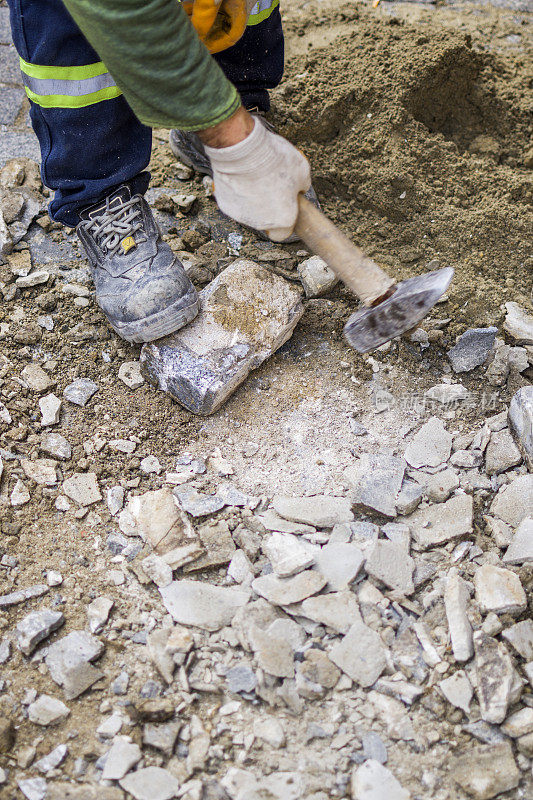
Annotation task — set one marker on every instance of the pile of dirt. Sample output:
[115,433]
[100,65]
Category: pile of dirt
[421,149]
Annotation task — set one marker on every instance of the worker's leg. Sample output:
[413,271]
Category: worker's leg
[255,63]
[90,140]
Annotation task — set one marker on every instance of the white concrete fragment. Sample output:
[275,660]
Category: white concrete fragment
[456,597]
[373,781]
[431,446]
[202,605]
[499,590]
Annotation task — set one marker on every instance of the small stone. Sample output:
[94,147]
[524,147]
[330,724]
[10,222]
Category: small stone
[53,759]
[130,373]
[514,501]
[36,378]
[110,727]
[150,466]
[392,565]
[336,610]
[373,781]
[202,605]
[519,724]
[122,756]
[272,522]
[80,391]
[520,550]
[156,518]
[36,627]
[431,446]
[47,710]
[320,511]
[467,459]
[374,748]
[20,495]
[274,655]
[499,590]
[286,554]
[520,637]
[495,676]
[82,487]
[33,788]
[240,568]
[316,277]
[246,314]
[271,731]
[157,570]
[440,486]
[241,678]
[151,783]
[502,453]
[161,737]
[73,650]
[195,503]
[339,564]
[377,480]
[518,324]
[115,499]
[98,613]
[34,279]
[218,544]
[447,393]
[458,690]
[360,654]
[456,597]
[521,421]
[42,471]
[285,591]
[438,524]
[486,772]
[318,669]
[409,498]
[21,595]
[56,446]
[472,349]
[50,407]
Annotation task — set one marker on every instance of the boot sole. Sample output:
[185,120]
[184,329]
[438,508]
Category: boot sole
[165,322]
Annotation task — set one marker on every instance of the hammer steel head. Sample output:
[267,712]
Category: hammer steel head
[404,309]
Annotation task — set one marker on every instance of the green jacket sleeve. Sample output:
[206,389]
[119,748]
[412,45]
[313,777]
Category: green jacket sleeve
[153,53]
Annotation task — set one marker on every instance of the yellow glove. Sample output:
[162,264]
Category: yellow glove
[219,23]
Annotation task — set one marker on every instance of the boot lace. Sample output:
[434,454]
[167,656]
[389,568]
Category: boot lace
[113,225]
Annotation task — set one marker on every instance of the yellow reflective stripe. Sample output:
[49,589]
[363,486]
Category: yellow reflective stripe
[263,13]
[63,73]
[70,101]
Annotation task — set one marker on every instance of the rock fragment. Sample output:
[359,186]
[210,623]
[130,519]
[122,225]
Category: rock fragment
[202,605]
[82,487]
[438,524]
[521,421]
[47,710]
[321,511]
[50,406]
[156,518]
[246,314]
[80,391]
[36,627]
[514,501]
[273,653]
[447,393]
[472,349]
[440,486]
[458,690]
[520,550]
[377,480]
[339,564]
[36,378]
[360,654]
[316,277]
[21,595]
[270,730]
[130,373]
[56,446]
[336,610]
[456,597]
[122,756]
[518,324]
[33,788]
[373,781]
[151,783]
[98,613]
[502,453]
[286,591]
[392,565]
[520,637]
[495,675]
[195,503]
[499,590]
[486,772]
[71,654]
[431,446]
[286,554]
[53,759]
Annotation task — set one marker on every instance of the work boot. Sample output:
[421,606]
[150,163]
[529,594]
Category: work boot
[188,147]
[141,286]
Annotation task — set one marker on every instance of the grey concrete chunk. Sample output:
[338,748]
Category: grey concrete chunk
[157,519]
[316,277]
[273,653]
[241,678]
[339,564]
[502,453]
[47,710]
[520,637]
[55,445]
[431,446]
[321,511]
[520,550]
[360,654]
[202,605]
[392,565]
[21,595]
[246,314]
[472,349]
[495,675]
[518,324]
[376,480]
[438,524]
[78,647]
[486,772]
[286,591]
[151,783]
[80,391]
[98,613]
[195,503]
[120,759]
[36,627]
[514,501]
[499,590]
[521,421]
[458,690]
[373,781]
[409,498]
[286,554]
[82,487]
[336,610]
[33,788]
[456,597]
[53,759]
[447,393]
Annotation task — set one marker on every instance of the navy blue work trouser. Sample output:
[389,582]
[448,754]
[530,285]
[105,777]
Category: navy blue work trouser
[87,152]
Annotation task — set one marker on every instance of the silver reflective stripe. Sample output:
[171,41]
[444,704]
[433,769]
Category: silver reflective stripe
[261,5]
[52,86]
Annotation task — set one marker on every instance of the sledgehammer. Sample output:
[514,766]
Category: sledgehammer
[391,308]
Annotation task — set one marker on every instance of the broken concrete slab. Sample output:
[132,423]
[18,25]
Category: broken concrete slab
[495,676]
[438,524]
[431,446]
[376,480]
[472,349]
[36,627]
[360,654]
[458,690]
[286,554]
[151,783]
[336,610]
[320,511]
[456,598]
[157,519]
[521,421]
[246,314]
[373,781]
[286,591]
[486,772]
[122,756]
[520,550]
[514,501]
[389,563]
[202,605]
[502,453]
[82,487]
[68,653]
[339,564]
[316,277]
[47,710]
[499,590]
[518,324]
[520,637]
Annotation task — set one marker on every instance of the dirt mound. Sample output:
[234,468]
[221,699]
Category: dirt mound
[419,147]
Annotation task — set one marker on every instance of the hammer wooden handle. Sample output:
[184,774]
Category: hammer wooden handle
[347,261]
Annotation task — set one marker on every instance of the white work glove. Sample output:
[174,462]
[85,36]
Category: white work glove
[257,181]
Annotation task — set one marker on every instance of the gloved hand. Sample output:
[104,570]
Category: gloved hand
[219,23]
[257,181]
